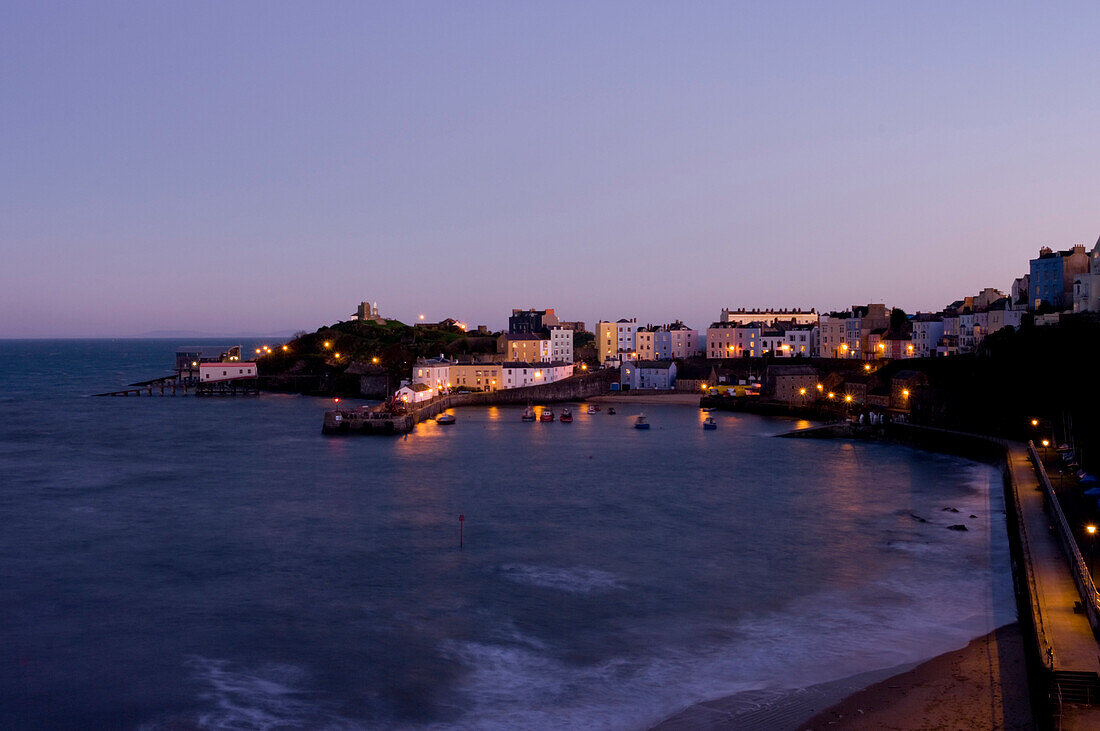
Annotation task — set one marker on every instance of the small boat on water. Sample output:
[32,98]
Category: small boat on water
[592,409]
[546,415]
[595,407]
[709,423]
[445,419]
[566,416]
[640,422]
[528,414]
[610,410]
[706,409]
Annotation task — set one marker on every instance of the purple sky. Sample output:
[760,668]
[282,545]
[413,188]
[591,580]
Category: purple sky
[265,166]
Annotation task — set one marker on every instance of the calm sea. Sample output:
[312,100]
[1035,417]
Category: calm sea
[183,562]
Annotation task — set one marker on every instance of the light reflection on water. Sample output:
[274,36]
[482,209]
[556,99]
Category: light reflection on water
[608,575]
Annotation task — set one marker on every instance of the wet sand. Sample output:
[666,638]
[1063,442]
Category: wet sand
[981,686]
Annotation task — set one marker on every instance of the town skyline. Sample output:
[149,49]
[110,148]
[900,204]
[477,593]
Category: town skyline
[498,321]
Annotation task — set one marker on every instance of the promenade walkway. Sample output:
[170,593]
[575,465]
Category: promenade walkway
[1069,634]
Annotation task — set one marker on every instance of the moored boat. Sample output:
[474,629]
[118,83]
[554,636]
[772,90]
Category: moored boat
[610,410]
[547,415]
[566,416]
[592,409]
[528,414]
[445,419]
[709,423]
[640,422]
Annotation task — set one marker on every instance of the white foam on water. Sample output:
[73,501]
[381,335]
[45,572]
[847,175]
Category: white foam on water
[957,588]
[818,640]
[267,697]
[575,580]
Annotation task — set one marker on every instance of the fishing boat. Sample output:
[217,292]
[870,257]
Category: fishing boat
[595,407]
[610,410]
[546,415]
[528,414]
[445,419]
[566,416]
[592,409]
[640,422]
[709,423]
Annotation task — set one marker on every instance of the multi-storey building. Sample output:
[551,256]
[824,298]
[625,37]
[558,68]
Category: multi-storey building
[524,347]
[729,340]
[832,335]
[483,376]
[531,321]
[561,345]
[1052,275]
[519,374]
[1086,286]
[927,331]
[685,340]
[433,372]
[797,316]
[802,340]
[616,341]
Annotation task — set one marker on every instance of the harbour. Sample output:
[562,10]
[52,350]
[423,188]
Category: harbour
[619,576]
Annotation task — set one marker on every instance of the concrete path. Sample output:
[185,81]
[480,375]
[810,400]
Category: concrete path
[1075,647]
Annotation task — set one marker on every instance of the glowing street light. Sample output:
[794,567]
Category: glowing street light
[285,349]
[374,359]
[867,366]
[1092,546]
[848,398]
[905,393]
[327,344]
[832,395]
[1035,422]
[802,392]
[820,387]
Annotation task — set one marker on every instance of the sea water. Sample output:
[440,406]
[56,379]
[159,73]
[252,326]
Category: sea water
[218,563]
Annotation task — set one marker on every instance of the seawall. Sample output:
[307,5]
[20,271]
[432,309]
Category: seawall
[575,388]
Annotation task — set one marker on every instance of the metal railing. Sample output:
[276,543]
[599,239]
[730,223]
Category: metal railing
[1082,577]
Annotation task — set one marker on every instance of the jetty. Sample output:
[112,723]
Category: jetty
[1058,601]
[400,418]
[172,386]
[166,386]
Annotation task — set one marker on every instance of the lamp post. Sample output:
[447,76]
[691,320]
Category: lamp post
[1092,546]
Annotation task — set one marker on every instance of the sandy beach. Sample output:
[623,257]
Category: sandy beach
[981,686]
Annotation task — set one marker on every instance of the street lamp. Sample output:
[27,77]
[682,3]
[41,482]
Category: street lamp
[1092,546]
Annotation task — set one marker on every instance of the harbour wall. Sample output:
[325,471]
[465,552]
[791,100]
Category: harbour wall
[574,388]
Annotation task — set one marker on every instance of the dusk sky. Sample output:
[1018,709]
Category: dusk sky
[232,167]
